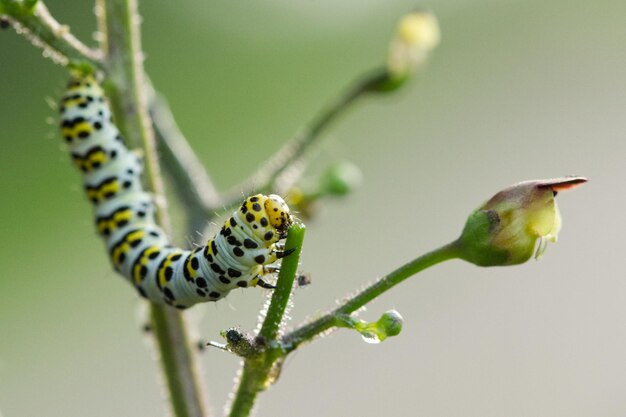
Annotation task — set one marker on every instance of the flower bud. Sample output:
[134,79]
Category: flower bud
[391,323]
[340,179]
[417,34]
[505,230]
[388,325]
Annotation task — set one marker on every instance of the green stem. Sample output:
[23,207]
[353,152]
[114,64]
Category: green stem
[194,187]
[257,372]
[119,21]
[282,292]
[178,362]
[126,86]
[248,387]
[307,332]
[278,166]
[45,32]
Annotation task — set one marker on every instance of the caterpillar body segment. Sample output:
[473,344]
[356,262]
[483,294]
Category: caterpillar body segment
[238,256]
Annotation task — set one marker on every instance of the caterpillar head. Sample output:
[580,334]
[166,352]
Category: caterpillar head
[278,213]
[267,217]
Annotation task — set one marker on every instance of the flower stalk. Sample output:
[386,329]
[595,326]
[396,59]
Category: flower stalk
[308,332]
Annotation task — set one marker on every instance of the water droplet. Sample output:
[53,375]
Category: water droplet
[370,337]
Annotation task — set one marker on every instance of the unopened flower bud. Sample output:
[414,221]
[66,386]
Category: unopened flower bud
[391,323]
[340,179]
[505,230]
[417,34]
[388,325]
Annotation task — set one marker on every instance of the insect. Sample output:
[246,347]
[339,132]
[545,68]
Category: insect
[240,255]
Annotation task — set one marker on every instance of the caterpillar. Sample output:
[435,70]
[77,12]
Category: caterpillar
[240,255]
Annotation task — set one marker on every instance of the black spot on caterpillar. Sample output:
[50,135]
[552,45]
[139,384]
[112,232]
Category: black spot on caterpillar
[138,248]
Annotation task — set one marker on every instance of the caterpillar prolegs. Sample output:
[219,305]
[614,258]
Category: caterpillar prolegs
[238,256]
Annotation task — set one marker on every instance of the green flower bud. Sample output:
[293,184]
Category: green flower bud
[505,230]
[340,179]
[388,325]
[391,323]
[417,34]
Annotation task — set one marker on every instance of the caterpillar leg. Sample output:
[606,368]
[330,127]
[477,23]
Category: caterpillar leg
[283,253]
[265,285]
[271,269]
[276,254]
[258,281]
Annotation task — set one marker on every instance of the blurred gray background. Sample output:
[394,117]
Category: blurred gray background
[517,90]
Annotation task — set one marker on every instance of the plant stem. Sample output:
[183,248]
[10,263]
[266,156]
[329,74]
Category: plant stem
[119,21]
[248,387]
[259,370]
[47,33]
[124,67]
[178,362]
[282,293]
[278,166]
[194,187]
[307,332]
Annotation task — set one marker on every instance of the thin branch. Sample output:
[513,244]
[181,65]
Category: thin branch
[309,331]
[186,392]
[259,370]
[45,32]
[276,171]
[194,187]
[119,20]
[248,388]
[282,293]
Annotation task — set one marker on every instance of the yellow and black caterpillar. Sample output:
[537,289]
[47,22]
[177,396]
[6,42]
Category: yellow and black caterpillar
[238,256]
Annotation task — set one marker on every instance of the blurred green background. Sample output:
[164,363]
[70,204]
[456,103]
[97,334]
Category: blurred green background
[517,90]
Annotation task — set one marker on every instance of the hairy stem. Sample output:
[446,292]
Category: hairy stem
[282,293]
[248,387]
[119,21]
[178,363]
[309,331]
[45,32]
[276,171]
[194,187]
[259,370]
